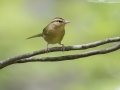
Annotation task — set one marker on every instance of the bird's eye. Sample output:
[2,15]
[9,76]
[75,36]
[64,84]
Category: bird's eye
[59,21]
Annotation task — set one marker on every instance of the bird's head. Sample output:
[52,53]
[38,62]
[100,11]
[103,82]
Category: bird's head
[59,22]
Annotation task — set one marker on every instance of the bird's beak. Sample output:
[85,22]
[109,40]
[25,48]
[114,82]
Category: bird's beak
[66,22]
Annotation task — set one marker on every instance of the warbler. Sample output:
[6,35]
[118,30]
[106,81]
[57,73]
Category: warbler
[54,32]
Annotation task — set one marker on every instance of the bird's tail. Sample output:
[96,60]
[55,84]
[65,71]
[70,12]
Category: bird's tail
[37,35]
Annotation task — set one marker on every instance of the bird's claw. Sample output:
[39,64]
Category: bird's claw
[63,48]
[47,50]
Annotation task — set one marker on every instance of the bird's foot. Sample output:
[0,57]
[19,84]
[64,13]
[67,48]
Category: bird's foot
[47,50]
[63,47]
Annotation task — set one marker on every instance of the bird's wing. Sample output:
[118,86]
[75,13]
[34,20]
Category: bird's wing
[46,30]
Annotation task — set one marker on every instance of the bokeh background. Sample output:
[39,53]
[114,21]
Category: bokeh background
[90,22]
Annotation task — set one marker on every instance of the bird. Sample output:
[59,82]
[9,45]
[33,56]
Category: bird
[54,32]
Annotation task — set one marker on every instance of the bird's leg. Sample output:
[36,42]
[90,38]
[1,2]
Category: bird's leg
[63,47]
[47,49]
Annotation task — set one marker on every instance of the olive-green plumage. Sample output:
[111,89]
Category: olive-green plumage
[54,32]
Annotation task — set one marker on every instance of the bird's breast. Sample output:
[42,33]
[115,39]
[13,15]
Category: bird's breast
[54,36]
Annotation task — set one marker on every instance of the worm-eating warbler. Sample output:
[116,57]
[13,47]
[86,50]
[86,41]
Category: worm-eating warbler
[54,32]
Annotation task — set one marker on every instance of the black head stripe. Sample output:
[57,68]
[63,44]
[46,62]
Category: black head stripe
[58,20]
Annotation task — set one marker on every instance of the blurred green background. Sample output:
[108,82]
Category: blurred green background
[90,22]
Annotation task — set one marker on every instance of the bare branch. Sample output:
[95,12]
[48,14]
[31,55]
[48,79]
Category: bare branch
[26,57]
[70,57]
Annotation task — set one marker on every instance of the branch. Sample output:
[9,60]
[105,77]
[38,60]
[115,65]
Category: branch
[26,57]
[69,57]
